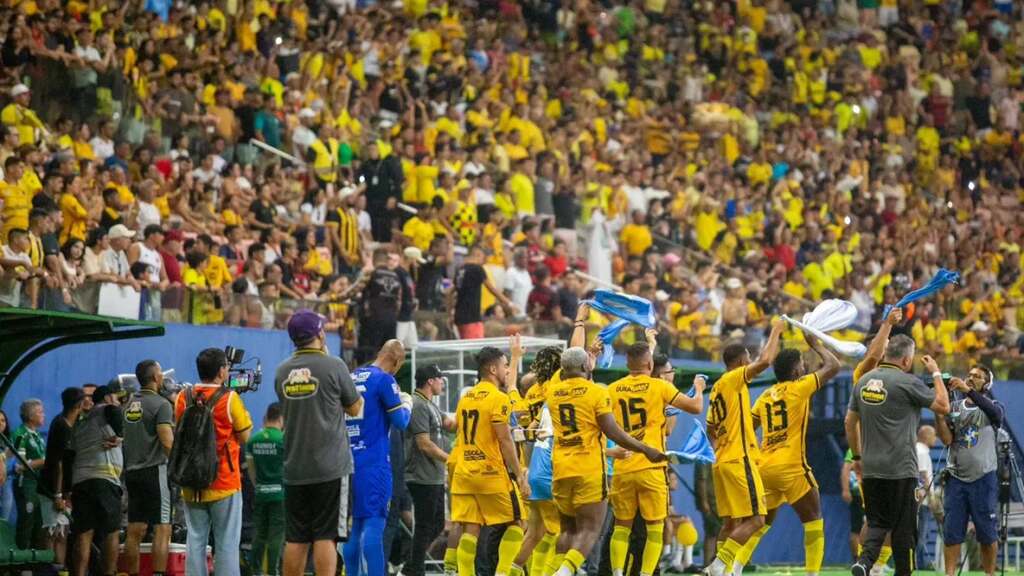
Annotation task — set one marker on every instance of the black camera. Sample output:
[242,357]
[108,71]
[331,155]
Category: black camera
[242,379]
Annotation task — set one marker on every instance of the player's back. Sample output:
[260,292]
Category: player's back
[575,405]
[478,467]
[783,411]
[730,426]
[369,430]
[638,403]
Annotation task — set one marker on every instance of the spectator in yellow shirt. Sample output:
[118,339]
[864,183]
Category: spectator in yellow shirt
[17,200]
[19,117]
[636,236]
[217,273]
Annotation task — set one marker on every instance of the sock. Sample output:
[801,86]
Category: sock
[373,545]
[727,552]
[744,554]
[883,557]
[554,562]
[352,548]
[687,559]
[516,570]
[451,563]
[618,549]
[571,564]
[652,548]
[467,555]
[814,545]
[508,549]
[539,558]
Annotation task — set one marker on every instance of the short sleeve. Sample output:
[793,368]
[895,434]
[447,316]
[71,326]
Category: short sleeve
[240,419]
[349,394]
[419,422]
[667,391]
[920,395]
[248,446]
[164,414]
[502,409]
[179,406]
[602,401]
[854,405]
[808,385]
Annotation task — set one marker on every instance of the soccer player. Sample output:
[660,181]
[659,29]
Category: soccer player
[738,487]
[782,411]
[486,480]
[870,361]
[384,406]
[581,411]
[638,402]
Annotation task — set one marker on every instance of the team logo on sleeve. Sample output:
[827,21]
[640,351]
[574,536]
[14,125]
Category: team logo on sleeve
[874,392]
[300,384]
[133,413]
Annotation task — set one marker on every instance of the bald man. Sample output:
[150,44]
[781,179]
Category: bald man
[384,406]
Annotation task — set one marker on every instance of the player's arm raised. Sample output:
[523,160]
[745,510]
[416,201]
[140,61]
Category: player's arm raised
[877,347]
[579,327]
[692,405]
[830,363]
[616,434]
[769,352]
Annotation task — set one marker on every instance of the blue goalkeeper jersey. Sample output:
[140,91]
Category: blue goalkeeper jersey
[369,431]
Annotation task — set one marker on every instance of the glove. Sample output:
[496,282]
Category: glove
[406,399]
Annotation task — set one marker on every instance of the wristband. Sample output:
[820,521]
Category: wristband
[855,457]
[937,374]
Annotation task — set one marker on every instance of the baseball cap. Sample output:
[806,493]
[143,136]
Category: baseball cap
[733,283]
[307,113]
[120,231]
[414,253]
[305,325]
[18,90]
[424,373]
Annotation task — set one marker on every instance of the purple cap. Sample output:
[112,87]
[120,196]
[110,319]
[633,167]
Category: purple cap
[305,325]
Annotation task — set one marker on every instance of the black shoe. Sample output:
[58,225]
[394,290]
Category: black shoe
[858,569]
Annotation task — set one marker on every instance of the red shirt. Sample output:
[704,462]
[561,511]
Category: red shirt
[172,266]
[557,265]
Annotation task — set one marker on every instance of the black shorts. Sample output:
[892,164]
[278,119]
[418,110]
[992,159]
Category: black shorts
[316,512]
[149,496]
[856,512]
[96,507]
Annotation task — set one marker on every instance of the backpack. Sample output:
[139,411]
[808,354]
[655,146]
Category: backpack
[195,456]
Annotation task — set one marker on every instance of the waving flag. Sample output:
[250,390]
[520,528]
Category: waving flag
[696,448]
[941,279]
[828,316]
[628,309]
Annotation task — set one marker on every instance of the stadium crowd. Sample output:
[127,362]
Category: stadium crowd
[728,160]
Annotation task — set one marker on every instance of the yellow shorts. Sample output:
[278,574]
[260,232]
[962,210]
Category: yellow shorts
[548,512]
[575,491]
[786,484]
[738,489]
[487,509]
[643,490]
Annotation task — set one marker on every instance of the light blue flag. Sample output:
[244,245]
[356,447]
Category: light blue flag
[696,448]
[941,279]
[628,309]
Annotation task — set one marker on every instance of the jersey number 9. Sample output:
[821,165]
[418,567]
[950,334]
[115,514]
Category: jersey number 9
[567,418]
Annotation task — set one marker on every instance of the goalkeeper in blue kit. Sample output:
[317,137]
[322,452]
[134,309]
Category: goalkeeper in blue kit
[384,406]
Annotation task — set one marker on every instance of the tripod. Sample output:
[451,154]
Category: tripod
[1009,475]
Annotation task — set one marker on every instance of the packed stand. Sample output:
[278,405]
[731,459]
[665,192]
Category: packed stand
[217,163]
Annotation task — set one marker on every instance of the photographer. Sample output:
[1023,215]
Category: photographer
[316,392]
[970,431]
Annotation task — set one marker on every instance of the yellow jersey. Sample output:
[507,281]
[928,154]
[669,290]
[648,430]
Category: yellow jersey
[729,421]
[783,411]
[478,465]
[638,403]
[861,369]
[533,402]
[575,406]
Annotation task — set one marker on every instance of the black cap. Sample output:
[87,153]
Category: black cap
[424,373]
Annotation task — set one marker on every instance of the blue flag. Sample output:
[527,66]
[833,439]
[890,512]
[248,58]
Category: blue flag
[941,279]
[628,309]
[696,448]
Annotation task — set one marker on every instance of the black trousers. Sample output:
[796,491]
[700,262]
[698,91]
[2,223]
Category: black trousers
[428,512]
[891,509]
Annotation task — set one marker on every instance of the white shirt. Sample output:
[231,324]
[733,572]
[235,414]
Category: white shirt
[924,462]
[363,221]
[148,214]
[102,148]
[519,284]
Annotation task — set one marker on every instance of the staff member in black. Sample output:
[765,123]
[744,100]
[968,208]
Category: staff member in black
[881,427]
[378,318]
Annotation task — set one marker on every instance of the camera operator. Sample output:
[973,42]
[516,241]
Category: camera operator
[316,392]
[881,426]
[971,431]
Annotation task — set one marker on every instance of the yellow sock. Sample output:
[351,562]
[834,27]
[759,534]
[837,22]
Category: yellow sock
[883,557]
[554,562]
[467,555]
[727,553]
[508,549]
[539,558]
[573,560]
[619,548]
[747,550]
[814,545]
[451,560]
[652,548]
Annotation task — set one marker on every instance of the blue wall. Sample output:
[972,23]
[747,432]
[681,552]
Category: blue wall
[97,363]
